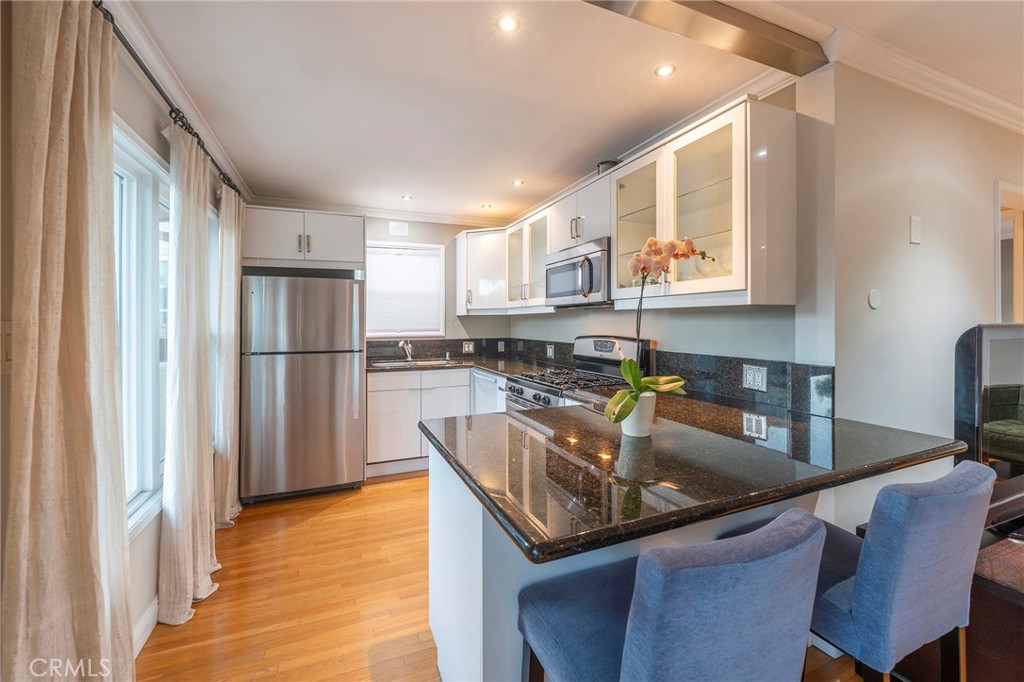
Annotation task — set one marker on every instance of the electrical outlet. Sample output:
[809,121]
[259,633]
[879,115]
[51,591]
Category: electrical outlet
[467,347]
[551,351]
[755,377]
[755,425]
[501,346]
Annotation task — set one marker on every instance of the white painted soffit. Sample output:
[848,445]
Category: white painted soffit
[142,41]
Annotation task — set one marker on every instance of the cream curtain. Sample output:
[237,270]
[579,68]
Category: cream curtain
[187,554]
[225,422]
[65,569]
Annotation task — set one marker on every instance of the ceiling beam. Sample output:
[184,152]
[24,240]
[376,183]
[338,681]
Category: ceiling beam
[726,28]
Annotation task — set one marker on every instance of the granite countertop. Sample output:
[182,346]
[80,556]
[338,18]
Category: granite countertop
[563,481]
[496,365]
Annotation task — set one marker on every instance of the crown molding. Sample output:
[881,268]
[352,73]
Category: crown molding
[142,40]
[849,46]
[385,214]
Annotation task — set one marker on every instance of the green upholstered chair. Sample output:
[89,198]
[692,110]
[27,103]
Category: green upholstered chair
[1003,424]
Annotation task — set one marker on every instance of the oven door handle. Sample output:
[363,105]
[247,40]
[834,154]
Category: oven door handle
[585,293]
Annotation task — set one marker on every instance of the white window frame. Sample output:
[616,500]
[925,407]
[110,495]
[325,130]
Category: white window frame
[439,249]
[144,172]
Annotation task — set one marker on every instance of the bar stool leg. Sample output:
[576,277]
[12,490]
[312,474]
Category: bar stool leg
[872,675]
[533,668]
[953,656]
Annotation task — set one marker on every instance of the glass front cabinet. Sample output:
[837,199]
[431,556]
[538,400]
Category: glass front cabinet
[527,248]
[728,183]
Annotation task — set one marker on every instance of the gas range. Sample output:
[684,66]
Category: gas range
[597,364]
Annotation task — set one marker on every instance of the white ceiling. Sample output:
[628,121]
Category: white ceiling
[358,103]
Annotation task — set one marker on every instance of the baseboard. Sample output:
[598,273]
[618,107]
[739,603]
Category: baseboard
[821,645]
[400,466]
[144,628]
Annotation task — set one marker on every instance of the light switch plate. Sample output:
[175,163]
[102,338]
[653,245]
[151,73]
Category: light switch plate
[501,346]
[467,346]
[551,351]
[755,378]
[755,426]
[915,229]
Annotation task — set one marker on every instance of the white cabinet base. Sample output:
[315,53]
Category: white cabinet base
[404,466]
[476,573]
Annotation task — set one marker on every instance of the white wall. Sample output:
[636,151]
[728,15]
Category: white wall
[897,154]
[764,332]
[439,233]
[815,329]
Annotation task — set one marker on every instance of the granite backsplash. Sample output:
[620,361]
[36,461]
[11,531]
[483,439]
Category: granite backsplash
[808,389]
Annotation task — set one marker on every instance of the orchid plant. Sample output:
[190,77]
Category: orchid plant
[650,263]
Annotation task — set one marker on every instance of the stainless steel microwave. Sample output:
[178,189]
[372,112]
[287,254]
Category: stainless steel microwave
[578,275]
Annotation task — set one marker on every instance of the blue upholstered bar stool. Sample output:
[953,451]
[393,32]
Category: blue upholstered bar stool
[729,610]
[909,581]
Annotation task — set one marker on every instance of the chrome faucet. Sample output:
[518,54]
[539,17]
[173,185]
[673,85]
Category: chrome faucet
[407,345]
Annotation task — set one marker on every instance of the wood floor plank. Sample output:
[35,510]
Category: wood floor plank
[326,587]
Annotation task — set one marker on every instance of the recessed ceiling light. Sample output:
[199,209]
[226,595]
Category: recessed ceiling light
[508,23]
[406,197]
[665,70]
[518,183]
[485,206]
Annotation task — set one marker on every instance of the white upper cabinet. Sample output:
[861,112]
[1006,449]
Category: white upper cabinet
[562,223]
[281,234]
[729,184]
[334,237]
[527,248]
[480,271]
[636,202]
[580,217]
[594,210]
[273,233]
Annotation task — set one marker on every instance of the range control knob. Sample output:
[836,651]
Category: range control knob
[536,397]
[546,400]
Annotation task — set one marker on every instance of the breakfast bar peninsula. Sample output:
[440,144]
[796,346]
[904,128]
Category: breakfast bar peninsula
[522,496]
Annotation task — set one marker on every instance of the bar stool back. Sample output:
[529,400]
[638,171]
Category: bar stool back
[733,609]
[909,581]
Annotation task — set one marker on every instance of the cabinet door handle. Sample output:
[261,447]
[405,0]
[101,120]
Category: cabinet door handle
[309,243]
[526,296]
[469,297]
[300,243]
[579,227]
[572,228]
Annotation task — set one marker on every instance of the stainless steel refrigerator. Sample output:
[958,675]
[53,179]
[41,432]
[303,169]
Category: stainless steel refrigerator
[303,405]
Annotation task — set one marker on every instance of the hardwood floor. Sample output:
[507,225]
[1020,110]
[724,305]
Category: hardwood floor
[326,587]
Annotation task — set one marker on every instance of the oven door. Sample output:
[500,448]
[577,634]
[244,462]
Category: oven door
[580,280]
[514,404]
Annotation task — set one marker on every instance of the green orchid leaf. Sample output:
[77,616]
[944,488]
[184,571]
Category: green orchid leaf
[663,384]
[658,381]
[619,407]
[631,372]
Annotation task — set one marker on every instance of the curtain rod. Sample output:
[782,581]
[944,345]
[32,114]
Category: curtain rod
[177,115]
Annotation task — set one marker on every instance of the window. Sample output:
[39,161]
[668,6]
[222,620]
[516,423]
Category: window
[404,290]
[142,231]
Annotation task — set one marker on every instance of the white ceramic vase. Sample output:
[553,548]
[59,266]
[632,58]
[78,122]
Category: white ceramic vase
[640,421]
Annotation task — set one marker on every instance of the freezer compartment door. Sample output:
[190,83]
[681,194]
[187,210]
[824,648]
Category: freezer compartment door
[303,422]
[301,314]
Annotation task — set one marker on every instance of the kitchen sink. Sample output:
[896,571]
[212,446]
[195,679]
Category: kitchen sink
[396,364]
